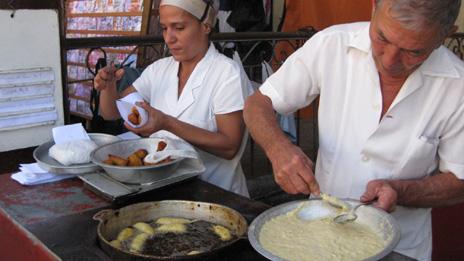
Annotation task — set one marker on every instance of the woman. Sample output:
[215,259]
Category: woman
[197,94]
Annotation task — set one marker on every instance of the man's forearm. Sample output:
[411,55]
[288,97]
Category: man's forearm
[261,121]
[442,189]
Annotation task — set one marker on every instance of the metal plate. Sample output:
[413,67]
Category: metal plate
[135,175]
[378,220]
[51,165]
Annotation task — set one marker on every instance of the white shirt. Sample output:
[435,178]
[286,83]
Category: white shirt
[217,85]
[423,128]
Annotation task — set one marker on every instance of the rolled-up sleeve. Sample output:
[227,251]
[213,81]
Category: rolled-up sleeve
[451,147]
[295,84]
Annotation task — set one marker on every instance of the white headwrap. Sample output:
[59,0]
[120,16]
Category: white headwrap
[205,10]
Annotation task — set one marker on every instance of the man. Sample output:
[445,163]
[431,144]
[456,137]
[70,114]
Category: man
[391,115]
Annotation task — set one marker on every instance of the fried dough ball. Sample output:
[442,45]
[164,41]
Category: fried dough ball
[116,244]
[118,161]
[134,161]
[144,228]
[138,242]
[161,146]
[134,117]
[222,232]
[141,153]
[172,220]
[172,228]
[125,234]
[108,161]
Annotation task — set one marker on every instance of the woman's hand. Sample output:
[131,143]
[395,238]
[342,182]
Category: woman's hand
[106,78]
[156,121]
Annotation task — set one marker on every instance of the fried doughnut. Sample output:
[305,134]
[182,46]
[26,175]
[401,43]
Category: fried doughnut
[125,234]
[141,153]
[138,242]
[161,146]
[172,228]
[135,111]
[134,161]
[172,220]
[118,161]
[222,232]
[116,244]
[144,228]
[108,161]
[134,119]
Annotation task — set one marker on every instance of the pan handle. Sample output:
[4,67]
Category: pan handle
[103,215]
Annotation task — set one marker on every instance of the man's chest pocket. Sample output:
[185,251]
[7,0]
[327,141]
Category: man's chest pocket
[419,160]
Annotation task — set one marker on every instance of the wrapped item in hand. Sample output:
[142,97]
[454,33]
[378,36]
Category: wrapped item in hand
[134,115]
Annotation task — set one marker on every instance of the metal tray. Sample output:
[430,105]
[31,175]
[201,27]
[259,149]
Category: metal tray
[51,165]
[378,220]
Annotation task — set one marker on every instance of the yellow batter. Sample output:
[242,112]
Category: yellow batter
[292,238]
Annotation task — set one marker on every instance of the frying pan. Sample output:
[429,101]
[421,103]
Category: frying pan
[113,221]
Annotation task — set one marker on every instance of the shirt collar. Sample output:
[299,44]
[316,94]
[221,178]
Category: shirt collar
[360,39]
[438,64]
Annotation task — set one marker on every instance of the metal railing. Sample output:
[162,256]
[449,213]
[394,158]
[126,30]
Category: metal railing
[254,47]
[455,44]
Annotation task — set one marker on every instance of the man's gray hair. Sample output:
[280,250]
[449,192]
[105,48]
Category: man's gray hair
[416,14]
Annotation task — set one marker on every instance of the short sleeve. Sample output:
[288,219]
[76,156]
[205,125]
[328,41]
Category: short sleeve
[230,94]
[143,84]
[451,149]
[295,84]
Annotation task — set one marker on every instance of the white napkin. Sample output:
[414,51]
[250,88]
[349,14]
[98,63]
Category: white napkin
[32,174]
[67,133]
[72,145]
[129,136]
[158,156]
[177,148]
[125,108]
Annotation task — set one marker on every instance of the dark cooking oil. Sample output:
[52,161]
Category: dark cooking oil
[199,237]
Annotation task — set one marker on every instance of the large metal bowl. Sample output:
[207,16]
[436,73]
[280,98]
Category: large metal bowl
[378,220]
[134,175]
[49,164]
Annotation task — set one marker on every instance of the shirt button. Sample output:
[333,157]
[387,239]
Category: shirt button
[365,158]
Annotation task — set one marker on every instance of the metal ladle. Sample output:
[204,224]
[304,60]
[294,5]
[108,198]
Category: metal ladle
[349,216]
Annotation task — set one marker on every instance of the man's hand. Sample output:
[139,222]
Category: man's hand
[156,121]
[106,78]
[293,170]
[384,193]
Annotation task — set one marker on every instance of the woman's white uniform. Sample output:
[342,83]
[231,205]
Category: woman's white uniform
[217,85]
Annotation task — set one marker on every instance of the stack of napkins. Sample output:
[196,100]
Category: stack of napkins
[32,174]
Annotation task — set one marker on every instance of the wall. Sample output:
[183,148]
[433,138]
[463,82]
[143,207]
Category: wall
[460,21]
[30,39]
